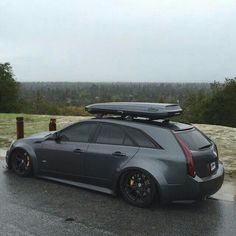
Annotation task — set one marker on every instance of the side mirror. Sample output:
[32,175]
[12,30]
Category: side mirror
[57,137]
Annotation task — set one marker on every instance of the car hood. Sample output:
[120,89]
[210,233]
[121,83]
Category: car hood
[40,135]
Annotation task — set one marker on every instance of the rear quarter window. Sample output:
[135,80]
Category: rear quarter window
[140,138]
[194,139]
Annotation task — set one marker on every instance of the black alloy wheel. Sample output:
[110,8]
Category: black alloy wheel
[138,188]
[21,163]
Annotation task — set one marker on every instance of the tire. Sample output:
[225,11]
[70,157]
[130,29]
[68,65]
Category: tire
[21,163]
[138,188]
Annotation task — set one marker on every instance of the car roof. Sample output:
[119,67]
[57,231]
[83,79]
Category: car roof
[139,123]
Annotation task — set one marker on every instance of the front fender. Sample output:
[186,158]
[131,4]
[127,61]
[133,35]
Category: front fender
[28,148]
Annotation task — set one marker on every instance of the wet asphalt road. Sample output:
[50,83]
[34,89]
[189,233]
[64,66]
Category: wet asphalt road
[32,206]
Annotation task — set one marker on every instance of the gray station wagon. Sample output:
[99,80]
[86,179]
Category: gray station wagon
[141,159]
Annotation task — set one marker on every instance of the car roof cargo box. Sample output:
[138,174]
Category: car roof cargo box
[136,109]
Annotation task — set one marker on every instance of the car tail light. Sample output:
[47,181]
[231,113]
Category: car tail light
[190,166]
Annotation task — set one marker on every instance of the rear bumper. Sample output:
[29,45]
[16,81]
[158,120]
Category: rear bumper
[209,186]
[194,188]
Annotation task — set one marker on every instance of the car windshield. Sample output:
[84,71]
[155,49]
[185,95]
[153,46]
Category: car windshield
[194,139]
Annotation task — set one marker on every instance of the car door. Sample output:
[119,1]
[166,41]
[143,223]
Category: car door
[64,156]
[111,149]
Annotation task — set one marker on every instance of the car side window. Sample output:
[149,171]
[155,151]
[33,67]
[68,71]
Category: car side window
[128,141]
[140,138]
[78,133]
[111,134]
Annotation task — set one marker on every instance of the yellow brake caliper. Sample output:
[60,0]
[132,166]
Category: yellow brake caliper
[132,181]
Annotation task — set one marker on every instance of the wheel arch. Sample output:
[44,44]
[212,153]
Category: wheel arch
[30,151]
[116,187]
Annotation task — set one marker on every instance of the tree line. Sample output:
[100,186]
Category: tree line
[213,103]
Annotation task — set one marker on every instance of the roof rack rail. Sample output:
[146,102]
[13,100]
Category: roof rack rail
[165,121]
[99,116]
[128,117]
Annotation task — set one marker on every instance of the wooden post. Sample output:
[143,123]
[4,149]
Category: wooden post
[19,127]
[52,125]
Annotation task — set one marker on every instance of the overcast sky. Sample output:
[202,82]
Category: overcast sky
[119,40]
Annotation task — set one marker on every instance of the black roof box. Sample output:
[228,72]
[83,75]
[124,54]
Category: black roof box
[136,109]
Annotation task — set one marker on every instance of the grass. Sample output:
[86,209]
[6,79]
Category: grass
[224,137]
[32,124]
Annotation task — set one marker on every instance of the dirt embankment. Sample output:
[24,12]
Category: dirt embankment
[225,139]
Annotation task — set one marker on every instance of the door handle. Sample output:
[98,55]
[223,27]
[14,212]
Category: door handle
[78,150]
[118,154]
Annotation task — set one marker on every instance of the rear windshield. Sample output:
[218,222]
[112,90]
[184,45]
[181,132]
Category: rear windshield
[194,139]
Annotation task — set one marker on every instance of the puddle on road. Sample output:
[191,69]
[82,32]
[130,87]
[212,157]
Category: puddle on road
[227,191]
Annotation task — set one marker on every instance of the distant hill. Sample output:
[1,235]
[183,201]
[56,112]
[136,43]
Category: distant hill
[80,94]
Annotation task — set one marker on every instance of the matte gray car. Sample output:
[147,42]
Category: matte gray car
[140,159]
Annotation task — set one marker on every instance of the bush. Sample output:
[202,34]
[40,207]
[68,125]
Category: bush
[217,107]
